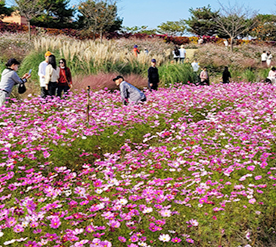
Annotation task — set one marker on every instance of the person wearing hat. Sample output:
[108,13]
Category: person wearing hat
[129,93]
[135,50]
[42,72]
[153,76]
[182,54]
[9,79]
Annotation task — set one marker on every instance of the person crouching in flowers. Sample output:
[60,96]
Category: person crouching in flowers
[65,78]
[9,79]
[129,93]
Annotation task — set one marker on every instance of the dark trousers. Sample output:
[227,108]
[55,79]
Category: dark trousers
[153,87]
[62,88]
[52,88]
[44,93]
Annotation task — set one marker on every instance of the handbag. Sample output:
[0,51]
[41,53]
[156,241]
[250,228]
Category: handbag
[21,88]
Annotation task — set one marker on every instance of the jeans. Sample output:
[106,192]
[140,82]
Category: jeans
[3,97]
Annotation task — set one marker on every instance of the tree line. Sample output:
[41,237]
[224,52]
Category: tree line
[101,16]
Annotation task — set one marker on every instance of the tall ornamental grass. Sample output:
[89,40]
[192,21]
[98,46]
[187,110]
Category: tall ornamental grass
[171,73]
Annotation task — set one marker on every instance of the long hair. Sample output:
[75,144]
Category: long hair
[52,61]
[65,67]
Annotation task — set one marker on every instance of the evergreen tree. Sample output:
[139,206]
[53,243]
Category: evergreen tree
[57,14]
[4,11]
[202,21]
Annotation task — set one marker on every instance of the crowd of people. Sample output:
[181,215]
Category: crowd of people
[57,80]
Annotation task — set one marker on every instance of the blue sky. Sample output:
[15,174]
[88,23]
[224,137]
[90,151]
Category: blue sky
[152,13]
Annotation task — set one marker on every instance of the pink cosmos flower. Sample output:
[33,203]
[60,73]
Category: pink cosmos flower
[18,228]
[189,240]
[122,239]
[252,201]
[176,240]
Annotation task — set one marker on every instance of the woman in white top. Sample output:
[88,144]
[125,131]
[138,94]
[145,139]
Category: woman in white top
[51,76]
[268,59]
[272,75]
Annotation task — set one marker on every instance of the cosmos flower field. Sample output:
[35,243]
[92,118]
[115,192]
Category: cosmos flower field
[193,166]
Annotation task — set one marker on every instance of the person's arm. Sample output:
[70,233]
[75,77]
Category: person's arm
[47,75]
[124,93]
[40,71]
[149,76]
[157,76]
[69,77]
[17,79]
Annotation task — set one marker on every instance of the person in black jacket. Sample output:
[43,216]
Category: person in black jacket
[226,75]
[153,76]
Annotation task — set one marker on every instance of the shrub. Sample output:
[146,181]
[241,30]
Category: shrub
[171,73]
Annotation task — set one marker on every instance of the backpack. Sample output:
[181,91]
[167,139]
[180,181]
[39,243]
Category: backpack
[176,52]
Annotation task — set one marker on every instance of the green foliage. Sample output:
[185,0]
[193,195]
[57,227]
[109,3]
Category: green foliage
[202,21]
[137,29]
[172,28]
[4,10]
[170,74]
[265,28]
[57,15]
[98,15]
[249,76]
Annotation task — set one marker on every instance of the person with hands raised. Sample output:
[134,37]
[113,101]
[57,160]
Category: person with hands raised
[9,79]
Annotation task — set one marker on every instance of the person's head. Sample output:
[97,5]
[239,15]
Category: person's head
[268,52]
[52,61]
[264,51]
[187,60]
[62,62]
[273,68]
[225,68]
[47,54]
[135,46]
[12,64]
[182,46]
[204,68]
[153,62]
[118,80]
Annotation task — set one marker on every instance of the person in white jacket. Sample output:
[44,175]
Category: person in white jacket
[182,54]
[41,74]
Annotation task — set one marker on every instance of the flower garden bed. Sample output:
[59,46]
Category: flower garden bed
[193,166]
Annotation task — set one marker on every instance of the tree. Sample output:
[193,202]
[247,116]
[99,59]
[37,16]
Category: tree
[98,15]
[137,29]
[172,28]
[29,9]
[235,21]
[202,21]
[265,28]
[4,11]
[57,14]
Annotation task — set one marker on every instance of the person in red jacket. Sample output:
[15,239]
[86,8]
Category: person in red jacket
[65,78]
[135,50]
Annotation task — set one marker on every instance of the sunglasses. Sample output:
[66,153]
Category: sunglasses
[61,62]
